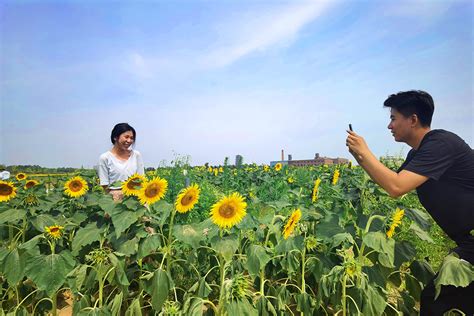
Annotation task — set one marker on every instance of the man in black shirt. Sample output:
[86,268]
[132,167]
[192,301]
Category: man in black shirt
[440,166]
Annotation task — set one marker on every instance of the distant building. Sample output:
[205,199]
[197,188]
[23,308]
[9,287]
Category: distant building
[318,160]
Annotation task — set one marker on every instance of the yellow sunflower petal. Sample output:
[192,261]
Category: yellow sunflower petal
[54,231]
[396,221]
[21,176]
[133,184]
[31,183]
[153,191]
[187,198]
[229,211]
[7,191]
[291,224]
[76,187]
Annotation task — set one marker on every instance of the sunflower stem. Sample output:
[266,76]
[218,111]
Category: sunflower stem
[222,294]
[170,236]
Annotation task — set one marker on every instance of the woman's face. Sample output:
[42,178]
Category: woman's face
[125,140]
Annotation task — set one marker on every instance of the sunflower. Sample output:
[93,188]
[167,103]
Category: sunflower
[315,190]
[30,184]
[229,211]
[187,198]
[153,190]
[396,221]
[278,166]
[291,180]
[7,191]
[266,168]
[335,177]
[291,224]
[76,187]
[133,184]
[21,176]
[54,232]
[221,170]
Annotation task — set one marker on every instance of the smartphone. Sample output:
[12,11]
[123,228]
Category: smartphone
[350,127]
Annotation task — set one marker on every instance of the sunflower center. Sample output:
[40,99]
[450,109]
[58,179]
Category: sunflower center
[133,184]
[21,176]
[187,199]
[30,184]
[54,230]
[75,186]
[227,210]
[152,190]
[5,189]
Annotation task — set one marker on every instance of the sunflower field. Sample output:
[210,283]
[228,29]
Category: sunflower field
[254,240]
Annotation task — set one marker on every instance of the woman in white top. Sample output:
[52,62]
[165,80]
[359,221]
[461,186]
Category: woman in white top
[120,162]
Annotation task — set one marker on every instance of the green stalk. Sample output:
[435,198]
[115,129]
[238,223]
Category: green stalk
[367,227]
[101,291]
[54,302]
[222,275]
[344,281]
[303,264]
[262,281]
[170,236]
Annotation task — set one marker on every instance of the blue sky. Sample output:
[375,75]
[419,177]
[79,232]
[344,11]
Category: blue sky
[212,79]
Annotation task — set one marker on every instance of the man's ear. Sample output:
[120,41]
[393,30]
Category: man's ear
[414,120]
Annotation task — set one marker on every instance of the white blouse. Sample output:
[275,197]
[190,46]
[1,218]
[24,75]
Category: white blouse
[111,169]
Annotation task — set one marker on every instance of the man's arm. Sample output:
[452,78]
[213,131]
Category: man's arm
[396,184]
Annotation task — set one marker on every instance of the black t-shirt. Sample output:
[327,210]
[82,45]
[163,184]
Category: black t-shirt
[448,194]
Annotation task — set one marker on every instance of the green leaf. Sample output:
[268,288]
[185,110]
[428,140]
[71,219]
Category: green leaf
[454,271]
[116,305]
[422,271]
[132,204]
[43,220]
[203,289]
[123,220]
[226,246]
[135,308]
[85,236]
[421,233]
[49,272]
[107,204]
[404,252]
[287,245]
[120,275]
[340,238]
[193,307]
[329,227]
[265,307]
[149,245]
[421,218]
[158,287]
[374,303]
[14,266]
[380,243]
[304,303]
[12,216]
[412,285]
[257,258]
[76,277]
[241,308]
[189,234]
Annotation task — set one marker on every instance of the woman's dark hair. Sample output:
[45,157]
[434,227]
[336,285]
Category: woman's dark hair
[413,102]
[121,128]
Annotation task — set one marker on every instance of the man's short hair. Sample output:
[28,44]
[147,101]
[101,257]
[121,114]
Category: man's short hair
[413,102]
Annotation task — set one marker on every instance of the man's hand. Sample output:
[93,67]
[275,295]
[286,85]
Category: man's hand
[357,146]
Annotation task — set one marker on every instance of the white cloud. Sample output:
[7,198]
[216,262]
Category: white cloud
[258,31]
